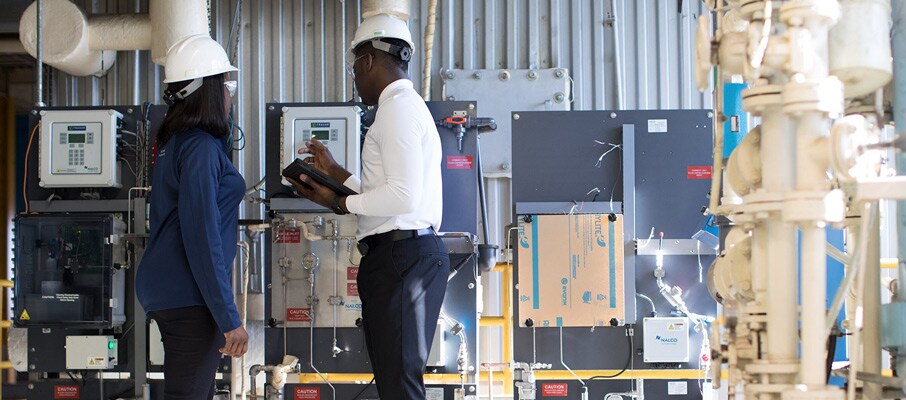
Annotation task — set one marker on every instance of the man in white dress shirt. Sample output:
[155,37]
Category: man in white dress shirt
[403,274]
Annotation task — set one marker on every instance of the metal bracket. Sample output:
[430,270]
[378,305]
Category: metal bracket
[673,247]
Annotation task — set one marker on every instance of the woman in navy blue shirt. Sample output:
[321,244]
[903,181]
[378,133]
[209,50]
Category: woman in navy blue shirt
[184,280]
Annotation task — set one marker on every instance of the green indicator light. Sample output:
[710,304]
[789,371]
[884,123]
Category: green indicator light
[111,345]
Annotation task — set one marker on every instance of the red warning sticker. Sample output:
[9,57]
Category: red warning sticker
[459,162]
[352,273]
[554,390]
[698,172]
[67,392]
[352,289]
[289,236]
[298,314]
[307,393]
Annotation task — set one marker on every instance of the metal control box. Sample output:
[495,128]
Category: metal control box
[91,352]
[666,340]
[339,128]
[78,148]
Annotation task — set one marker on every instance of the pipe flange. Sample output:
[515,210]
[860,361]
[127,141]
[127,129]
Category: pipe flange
[803,392]
[824,96]
[796,12]
[821,207]
[758,98]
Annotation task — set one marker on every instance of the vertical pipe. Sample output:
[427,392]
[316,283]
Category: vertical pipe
[871,334]
[898,45]
[39,68]
[778,171]
[618,55]
[811,177]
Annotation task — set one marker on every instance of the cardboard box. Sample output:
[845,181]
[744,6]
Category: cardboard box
[570,270]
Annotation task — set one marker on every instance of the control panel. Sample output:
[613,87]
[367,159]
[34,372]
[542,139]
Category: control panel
[337,127]
[78,148]
[91,352]
[666,340]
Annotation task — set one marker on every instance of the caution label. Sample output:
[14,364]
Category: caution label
[554,390]
[288,236]
[459,162]
[24,316]
[694,172]
[352,273]
[352,289]
[67,392]
[307,393]
[97,362]
[298,314]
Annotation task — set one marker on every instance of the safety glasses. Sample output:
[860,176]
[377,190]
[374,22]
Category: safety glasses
[231,87]
[351,59]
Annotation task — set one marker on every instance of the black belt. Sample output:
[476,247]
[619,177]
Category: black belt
[380,239]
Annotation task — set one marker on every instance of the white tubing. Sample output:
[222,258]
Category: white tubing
[871,335]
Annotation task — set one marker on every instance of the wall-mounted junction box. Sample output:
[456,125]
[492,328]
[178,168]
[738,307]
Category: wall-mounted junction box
[91,352]
[666,340]
[78,148]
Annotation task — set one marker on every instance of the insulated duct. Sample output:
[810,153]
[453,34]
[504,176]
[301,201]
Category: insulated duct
[81,45]
[397,8]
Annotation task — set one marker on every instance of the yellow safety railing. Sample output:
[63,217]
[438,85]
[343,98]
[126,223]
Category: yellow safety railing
[4,325]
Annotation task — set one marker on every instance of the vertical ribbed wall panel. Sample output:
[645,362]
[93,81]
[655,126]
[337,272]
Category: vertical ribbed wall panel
[292,50]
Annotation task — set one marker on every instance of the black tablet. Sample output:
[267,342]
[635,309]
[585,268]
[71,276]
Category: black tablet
[299,167]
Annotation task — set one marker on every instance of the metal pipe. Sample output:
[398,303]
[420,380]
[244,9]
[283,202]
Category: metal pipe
[617,56]
[39,68]
[336,284]
[851,271]
[562,363]
[481,195]
[311,333]
[254,371]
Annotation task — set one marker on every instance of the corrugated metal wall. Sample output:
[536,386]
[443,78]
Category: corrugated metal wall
[292,50]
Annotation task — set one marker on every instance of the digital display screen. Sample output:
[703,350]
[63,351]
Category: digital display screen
[76,138]
[320,124]
[77,127]
[321,136]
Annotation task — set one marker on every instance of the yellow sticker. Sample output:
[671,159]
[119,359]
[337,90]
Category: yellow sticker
[24,316]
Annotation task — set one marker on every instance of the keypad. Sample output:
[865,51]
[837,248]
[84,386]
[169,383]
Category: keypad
[76,157]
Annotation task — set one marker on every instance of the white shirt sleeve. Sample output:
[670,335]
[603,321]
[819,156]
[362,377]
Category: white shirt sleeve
[354,183]
[402,160]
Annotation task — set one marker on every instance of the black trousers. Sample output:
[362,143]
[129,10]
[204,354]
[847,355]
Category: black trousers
[192,343]
[402,287]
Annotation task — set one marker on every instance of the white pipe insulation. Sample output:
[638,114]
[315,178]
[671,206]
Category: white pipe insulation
[81,45]
[397,8]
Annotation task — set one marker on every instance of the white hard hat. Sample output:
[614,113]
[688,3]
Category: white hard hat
[377,27]
[195,57]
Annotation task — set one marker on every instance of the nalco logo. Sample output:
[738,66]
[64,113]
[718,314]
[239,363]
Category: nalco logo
[666,340]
